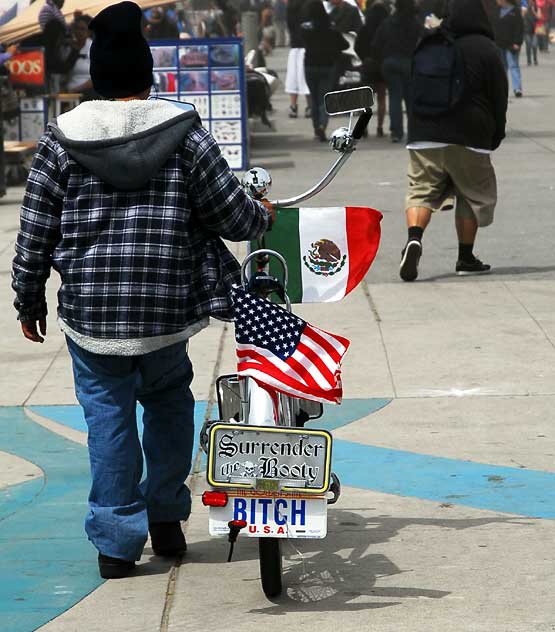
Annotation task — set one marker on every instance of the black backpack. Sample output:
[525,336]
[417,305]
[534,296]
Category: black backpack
[437,81]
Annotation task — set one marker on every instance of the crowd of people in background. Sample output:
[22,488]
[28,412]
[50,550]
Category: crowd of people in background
[384,36]
[375,38]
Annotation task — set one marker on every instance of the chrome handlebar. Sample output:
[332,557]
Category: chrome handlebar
[330,175]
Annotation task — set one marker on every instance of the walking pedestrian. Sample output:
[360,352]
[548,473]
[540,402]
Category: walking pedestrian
[280,22]
[323,45]
[267,29]
[295,80]
[530,37]
[509,35]
[543,24]
[127,199]
[450,142]
[372,74]
[393,45]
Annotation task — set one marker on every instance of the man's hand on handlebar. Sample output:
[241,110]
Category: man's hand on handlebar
[269,208]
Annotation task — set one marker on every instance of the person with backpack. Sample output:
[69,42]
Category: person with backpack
[509,35]
[393,45]
[457,116]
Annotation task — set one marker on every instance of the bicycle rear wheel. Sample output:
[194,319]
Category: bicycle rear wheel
[269,551]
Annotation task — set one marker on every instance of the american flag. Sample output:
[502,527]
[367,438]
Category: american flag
[284,352]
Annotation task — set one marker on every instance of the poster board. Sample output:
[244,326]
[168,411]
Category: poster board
[210,74]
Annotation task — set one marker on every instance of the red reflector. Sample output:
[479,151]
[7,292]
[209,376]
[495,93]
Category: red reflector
[214,499]
[238,524]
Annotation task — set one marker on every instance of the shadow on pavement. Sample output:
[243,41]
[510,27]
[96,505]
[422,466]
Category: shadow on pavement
[155,565]
[495,272]
[334,573]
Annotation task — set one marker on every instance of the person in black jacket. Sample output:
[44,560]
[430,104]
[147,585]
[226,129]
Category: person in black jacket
[450,153]
[393,45]
[509,35]
[371,69]
[323,46]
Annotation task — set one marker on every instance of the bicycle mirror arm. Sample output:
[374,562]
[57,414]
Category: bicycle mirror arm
[342,140]
[330,175]
[362,123]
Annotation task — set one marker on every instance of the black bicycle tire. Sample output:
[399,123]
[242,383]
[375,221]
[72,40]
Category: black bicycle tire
[269,551]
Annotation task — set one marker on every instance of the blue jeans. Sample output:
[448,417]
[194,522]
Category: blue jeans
[397,72]
[319,81]
[108,389]
[531,41]
[510,61]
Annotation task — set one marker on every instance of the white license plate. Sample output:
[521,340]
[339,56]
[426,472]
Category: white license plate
[277,517]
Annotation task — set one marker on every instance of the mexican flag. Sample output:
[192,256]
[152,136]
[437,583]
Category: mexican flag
[328,250]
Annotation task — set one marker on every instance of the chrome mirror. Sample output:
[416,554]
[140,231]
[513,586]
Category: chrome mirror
[349,101]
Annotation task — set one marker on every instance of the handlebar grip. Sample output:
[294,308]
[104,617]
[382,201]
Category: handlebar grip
[362,124]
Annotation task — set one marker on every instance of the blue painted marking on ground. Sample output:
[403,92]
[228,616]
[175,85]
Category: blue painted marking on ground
[16,496]
[493,487]
[351,410]
[72,416]
[506,489]
[45,570]
[47,563]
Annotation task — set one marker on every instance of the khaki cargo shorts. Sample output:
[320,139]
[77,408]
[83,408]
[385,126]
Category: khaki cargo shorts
[439,176]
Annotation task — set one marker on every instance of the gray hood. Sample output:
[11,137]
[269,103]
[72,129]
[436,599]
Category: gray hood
[124,143]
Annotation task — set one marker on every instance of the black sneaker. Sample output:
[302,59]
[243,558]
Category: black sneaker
[518,94]
[167,539]
[466,268]
[293,112]
[114,567]
[308,112]
[409,260]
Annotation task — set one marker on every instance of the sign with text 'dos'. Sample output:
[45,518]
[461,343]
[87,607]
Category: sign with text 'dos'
[27,69]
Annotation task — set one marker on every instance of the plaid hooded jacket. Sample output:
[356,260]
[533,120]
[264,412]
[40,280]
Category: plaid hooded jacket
[127,201]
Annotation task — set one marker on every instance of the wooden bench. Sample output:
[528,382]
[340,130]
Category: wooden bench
[17,152]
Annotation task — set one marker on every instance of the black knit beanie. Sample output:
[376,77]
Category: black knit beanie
[121,61]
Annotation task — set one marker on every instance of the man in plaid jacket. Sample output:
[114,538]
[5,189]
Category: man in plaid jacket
[128,200]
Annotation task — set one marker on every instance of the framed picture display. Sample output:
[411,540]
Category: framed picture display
[209,74]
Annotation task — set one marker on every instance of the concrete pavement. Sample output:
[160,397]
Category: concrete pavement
[445,437]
